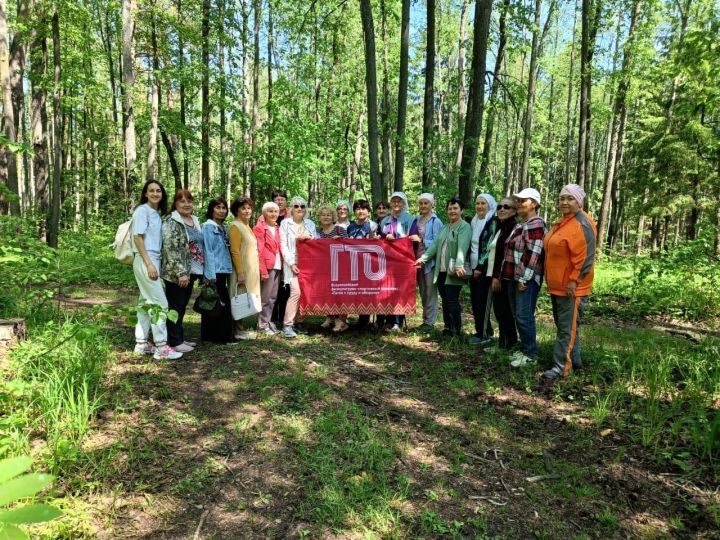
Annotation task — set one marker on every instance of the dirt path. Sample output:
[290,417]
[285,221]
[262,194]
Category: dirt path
[370,436]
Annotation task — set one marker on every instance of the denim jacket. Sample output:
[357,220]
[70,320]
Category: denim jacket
[433,226]
[217,252]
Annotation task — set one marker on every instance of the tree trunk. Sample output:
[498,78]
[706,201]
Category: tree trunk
[18,50]
[222,87]
[385,110]
[371,92]
[570,92]
[532,78]
[181,64]
[38,124]
[499,59]
[589,24]
[128,76]
[429,101]
[402,96]
[269,68]
[641,223]
[256,89]
[154,101]
[473,124]
[357,156]
[8,159]
[205,104]
[54,221]
[615,153]
[107,39]
[462,89]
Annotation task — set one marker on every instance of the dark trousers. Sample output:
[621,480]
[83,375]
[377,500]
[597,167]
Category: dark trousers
[503,313]
[450,295]
[481,297]
[283,293]
[219,329]
[177,298]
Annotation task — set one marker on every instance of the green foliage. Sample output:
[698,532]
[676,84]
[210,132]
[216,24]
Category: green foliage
[680,283]
[54,387]
[14,486]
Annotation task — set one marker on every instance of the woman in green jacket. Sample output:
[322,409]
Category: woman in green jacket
[450,250]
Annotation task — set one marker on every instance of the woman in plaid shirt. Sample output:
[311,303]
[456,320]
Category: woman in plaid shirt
[523,264]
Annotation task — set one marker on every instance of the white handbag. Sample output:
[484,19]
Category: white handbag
[244,305]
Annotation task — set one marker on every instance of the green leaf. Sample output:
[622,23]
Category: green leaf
[12,467]
[23,487]
[172,315]
[11,532]
[31,513]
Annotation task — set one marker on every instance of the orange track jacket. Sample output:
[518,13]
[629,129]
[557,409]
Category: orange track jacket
[570,254]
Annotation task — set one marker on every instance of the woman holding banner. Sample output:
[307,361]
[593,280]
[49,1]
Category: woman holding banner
[429,227]
[296,228]
[449,252]
[399,224]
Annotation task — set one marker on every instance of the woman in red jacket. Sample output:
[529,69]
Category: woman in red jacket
[267,234]
[569,272]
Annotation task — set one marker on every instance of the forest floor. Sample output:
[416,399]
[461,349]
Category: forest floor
[373,436]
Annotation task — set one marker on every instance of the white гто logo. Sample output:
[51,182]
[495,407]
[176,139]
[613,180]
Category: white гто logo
[367,252]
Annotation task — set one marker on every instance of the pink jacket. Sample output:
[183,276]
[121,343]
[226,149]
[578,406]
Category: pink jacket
[268,245]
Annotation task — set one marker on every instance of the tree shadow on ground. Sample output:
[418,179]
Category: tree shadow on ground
[342,436]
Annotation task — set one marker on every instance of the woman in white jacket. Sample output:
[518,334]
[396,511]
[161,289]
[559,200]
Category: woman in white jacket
[298,227]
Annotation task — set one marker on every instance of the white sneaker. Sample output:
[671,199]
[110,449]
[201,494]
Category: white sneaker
[166,353]
[183,348]
[522,360]
[144,348]
[395,328]
[245,335]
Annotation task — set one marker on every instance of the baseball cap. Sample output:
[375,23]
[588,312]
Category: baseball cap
[529,193]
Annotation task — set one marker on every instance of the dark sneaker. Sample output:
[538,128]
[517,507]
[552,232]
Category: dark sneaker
[300,328]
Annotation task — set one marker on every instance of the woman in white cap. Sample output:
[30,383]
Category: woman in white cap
[398,224]
[429,227]
[293,229]
[569,270]
[484,225]
[523,264]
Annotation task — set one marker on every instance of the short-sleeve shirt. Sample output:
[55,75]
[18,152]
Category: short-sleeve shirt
[146,221]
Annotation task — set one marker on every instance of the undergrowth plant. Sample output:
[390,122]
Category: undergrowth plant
[15,486]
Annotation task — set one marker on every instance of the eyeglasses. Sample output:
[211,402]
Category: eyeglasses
[505,207]
[299,206]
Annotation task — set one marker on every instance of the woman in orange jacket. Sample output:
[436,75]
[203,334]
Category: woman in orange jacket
[569,272]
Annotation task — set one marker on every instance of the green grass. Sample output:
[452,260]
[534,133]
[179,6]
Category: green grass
[312,410]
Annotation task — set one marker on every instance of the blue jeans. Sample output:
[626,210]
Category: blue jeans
[523,305]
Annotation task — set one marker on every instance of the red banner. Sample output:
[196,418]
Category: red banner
[341,276]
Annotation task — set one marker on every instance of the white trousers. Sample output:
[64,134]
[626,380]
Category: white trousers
[151,292]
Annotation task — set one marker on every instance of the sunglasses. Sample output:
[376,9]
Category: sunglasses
[505,207]
[299,206]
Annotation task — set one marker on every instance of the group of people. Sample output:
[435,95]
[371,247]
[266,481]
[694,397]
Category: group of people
[504,253]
